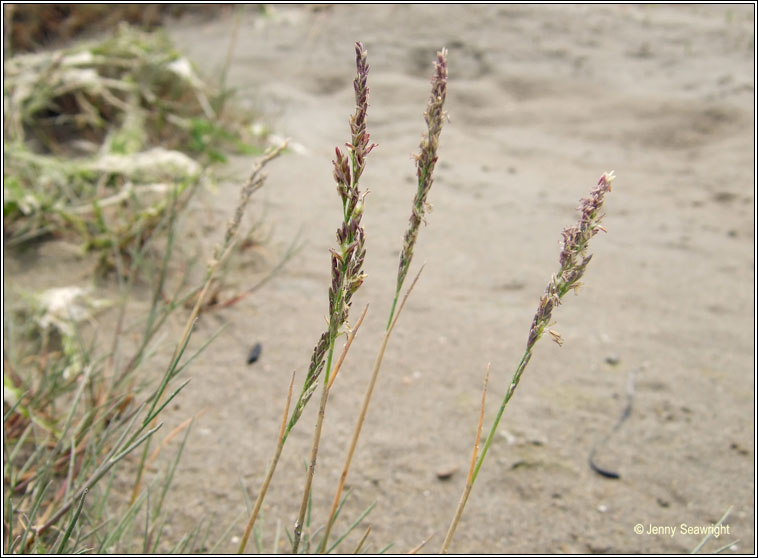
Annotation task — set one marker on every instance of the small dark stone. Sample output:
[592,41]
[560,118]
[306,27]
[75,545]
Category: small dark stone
[613,359]
[739,449]
[255,353]
[444,473]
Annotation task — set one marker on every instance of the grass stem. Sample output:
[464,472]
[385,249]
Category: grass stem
[270,472]
[362,415]
[317,433]
[573,259]
[255,181]
[470,476]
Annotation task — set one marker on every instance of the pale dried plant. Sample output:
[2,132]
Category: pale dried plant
[255,181]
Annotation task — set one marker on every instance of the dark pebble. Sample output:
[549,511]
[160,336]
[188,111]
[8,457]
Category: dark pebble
[255,353]
[446,472]
[613,359]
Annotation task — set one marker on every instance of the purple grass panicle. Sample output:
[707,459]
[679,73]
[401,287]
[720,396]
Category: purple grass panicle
[347,259]
[573,259]
[425,161]
[347,263]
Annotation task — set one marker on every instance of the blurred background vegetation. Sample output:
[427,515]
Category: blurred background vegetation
[108,133]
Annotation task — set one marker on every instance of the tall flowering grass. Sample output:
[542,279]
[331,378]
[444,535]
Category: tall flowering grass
[426,160]
[347,277]
[135,426]
[573,263]
[347,262]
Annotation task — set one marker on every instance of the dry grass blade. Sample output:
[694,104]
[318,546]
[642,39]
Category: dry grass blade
[171,435]
[470,476]
[405,298]
[270,472]
[349,342]
[422,544]
[363,412]
[360,544]
[254,182]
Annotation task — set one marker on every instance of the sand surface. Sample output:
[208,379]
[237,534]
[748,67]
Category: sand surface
[542,100]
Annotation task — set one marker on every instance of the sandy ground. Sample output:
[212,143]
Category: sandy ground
[542,100]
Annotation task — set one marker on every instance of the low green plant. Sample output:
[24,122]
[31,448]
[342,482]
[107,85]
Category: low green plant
[73,414]
[105,143]
[72,417]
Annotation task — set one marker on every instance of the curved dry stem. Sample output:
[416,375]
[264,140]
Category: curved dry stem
[470,476]
[360,544]
[421,545]
[349,342]
[171,435]
[317,434]
[362,415]
[270,472]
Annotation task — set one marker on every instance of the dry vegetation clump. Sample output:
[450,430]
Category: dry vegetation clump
[104,145]
[33,26]
[100,138]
